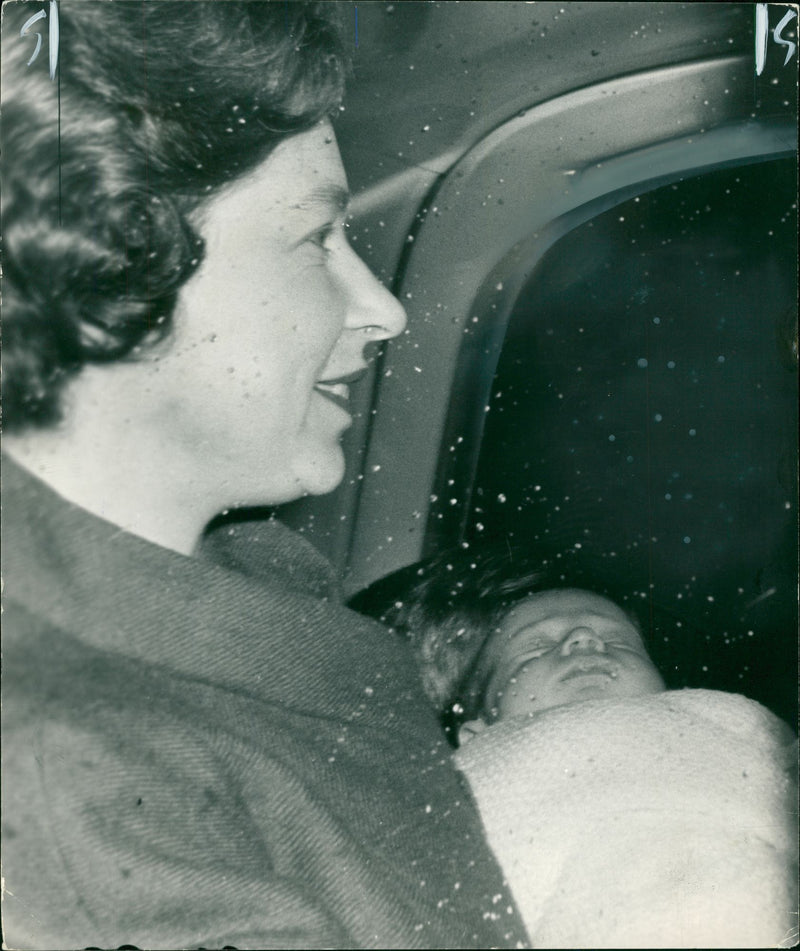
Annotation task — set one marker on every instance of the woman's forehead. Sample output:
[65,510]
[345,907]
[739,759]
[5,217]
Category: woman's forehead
[302,178]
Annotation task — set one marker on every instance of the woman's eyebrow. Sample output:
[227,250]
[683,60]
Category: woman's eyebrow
[330,196]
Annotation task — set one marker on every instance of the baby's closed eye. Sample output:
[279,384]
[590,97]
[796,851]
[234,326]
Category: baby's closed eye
[535,649]
[625,645]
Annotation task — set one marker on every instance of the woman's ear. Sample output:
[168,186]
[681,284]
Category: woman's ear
[468,729]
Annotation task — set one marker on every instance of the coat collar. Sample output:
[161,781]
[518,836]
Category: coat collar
[276,630]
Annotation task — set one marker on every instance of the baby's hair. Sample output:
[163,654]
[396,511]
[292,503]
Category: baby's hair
[449,606]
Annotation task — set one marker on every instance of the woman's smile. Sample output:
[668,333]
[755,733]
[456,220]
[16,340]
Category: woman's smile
[337,389]
[337,393]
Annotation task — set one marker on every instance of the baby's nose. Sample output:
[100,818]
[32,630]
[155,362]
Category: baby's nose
[582,639]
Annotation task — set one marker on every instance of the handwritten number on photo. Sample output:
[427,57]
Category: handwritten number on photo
[52,36]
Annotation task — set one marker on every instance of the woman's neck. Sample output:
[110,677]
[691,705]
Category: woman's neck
[114,467]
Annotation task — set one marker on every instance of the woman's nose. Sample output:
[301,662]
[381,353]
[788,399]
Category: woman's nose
[582,640]
[371,308]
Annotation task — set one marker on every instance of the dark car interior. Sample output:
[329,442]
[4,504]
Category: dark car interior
[644,408]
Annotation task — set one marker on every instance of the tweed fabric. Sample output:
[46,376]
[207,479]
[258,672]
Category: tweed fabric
[198,757]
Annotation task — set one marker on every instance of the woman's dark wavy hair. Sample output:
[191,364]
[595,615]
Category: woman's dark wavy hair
[449,606]
[156,105]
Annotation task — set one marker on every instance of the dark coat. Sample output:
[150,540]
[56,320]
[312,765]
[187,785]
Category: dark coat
[195,757]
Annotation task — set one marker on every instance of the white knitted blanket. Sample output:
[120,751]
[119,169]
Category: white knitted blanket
[663,821]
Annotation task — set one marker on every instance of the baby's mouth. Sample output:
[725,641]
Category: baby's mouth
[589,667]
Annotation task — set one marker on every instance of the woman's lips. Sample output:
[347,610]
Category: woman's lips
[338,393]
[337,389]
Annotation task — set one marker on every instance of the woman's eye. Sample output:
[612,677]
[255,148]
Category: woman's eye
[321,238]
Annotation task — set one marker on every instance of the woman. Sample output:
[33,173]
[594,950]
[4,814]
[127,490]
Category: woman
[195,757]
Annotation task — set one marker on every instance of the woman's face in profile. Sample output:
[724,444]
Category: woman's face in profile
[270,331]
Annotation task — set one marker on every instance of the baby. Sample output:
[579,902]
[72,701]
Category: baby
[558,647]
[623,814]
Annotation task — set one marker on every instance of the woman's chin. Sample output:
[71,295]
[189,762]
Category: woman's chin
[320,472]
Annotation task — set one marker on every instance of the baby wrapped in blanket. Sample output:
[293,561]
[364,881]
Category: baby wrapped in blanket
[658,821]
[624,815]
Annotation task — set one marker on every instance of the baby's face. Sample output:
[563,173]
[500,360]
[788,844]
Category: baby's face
[562,646]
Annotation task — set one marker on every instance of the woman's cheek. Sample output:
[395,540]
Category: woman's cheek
[323,309]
